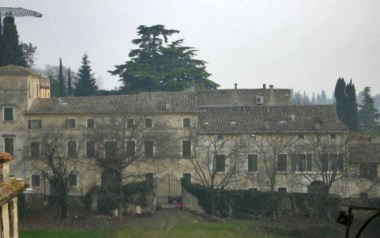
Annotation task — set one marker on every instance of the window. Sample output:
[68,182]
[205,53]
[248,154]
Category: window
[90,149]
[302,162]
[220,136]
[71,148]
[70,123]
[187,177]
[220,163]
[332,135]
[148,146]
[186,122]
[35,149]
[130,123]
[72,180]
[332,162]
[34,124]
[253,189]
[369,171]
[282,189]
[186,148]
[90,123]
[9,145]
[300,136]
[110,149]
[252,163]
[8,114]
[148,123]
[131,148]
[282,163]
[36,181]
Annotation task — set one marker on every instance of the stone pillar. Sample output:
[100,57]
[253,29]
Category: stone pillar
[13,218]
[5,216]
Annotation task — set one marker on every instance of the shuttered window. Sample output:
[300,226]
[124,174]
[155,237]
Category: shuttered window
[220,163]
[90,149]
[186,148]
[252,163]
[131,148]
[148,146]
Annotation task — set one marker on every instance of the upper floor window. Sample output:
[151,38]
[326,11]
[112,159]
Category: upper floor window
[72,148]
[90,123]
[302,162]
[8,114]
[186,148]
[73,180]
[332,162]
[70,123]
[252,163]
[300,136]
[90,148]
[368,170]
[111,149]
[282,163]
[130,122]
[186,122]
[34,124]
[148,123]
[36,181]
[131,148]
[220,163]
[35,149]
[149,148]
[332,135]
[8,145]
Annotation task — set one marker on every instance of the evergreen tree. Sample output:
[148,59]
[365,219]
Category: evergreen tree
[85,84]
[61,80]
[10,48]
[323,97]
[340,99]
[313,101]
[352,120]
[69,87]
[368,114]
[158,64]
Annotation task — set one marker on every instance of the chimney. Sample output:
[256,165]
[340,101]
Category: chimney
[271,86]
[264,86]
[235,86]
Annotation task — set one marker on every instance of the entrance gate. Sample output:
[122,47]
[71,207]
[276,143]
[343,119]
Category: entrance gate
[169,191]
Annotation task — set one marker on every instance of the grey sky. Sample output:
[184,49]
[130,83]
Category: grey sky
[302,44]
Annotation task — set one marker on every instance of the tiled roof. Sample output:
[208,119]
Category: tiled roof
[10,189]
[16,69]
[142,102]
[364,152]
[242,97]
[251,119]
[5,157]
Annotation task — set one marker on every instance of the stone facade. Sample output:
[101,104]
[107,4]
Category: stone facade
[198,116]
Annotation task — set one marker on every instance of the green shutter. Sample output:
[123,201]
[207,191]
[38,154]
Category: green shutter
[148,148]
[186,148]
[309,162]
[131,148]
[294,163]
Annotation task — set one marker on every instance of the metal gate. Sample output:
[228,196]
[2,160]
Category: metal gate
[169,191]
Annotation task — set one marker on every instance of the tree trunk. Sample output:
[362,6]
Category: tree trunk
[120,205]
[63,205]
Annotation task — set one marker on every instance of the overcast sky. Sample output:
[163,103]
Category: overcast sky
[300,44]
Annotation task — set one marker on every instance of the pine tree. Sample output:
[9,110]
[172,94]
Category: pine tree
[158,64]
[85,84]
[352,117]
[368,114]
[323,97]
[10,48]
[61,80]
[313,101]
[69,87]
[340,99]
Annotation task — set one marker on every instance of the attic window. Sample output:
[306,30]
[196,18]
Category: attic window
[205,123]
[233,122]
[259,100]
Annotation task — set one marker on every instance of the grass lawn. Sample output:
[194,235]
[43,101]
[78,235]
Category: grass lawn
[181,229]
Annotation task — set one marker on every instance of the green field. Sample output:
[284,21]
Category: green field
[181,229]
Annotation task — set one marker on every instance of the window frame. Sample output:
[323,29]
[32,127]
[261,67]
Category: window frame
[278,163]
[183,122]
[68,126]
[86,149]
[133,123]
[39,180]
[126,147]
[76,149]
[308,167]
[105,148]
[31,149]
[282,187]
[153,152]
[257,163]
[31,124]
[90,118]
[216,163]
[183,149]
[13,145]
[13,113]
[151,122]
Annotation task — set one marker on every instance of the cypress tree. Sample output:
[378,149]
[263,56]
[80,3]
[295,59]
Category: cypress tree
[61,80]
[85,84]
[340,99]
[69,88]
[10,48]
[352,117]
[368,114]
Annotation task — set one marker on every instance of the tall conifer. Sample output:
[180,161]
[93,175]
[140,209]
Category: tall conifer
[61,80]
[368,114]
[69,87]
[352,117]
[10,48]
[340,99]
[85,84]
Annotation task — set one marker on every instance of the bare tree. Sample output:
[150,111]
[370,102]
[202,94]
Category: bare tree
[127,147]
[43,155]
[217,162]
